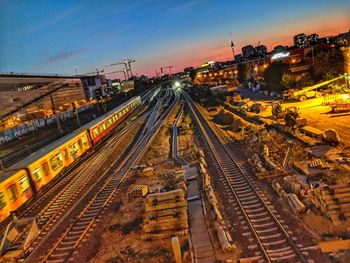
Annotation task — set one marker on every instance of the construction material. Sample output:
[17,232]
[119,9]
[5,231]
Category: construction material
[176,249]
[165,212]
[334,245]
[138,191]
[333,201]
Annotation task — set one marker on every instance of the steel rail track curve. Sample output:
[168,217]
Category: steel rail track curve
[273,239]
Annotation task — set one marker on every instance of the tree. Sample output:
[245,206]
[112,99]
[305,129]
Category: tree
[273,77]
[287,81]
[328,64]
[243,72]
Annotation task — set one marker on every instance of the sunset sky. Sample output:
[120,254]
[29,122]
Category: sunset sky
[54,36]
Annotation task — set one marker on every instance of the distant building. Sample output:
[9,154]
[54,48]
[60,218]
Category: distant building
[300,40]
[312,39]
[327,40]
[261,51]
[96,86]
[279,48]
[238,58]
[248,51]
[343,39]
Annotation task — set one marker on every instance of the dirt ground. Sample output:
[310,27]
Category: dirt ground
[121,240]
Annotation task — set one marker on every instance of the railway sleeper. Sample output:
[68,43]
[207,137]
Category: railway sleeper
[270,236]
[246,195]
[255,201]
[252,206]
[260,219]
[263,225]
[254,215]
[274,243]
[283,258]
[254,210]
[277,250]
[247,198]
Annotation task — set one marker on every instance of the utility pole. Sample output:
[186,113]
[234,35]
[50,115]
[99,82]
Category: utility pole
[76,71]
[75,112]
[57,117]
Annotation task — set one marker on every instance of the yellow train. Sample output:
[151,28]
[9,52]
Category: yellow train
[22,180]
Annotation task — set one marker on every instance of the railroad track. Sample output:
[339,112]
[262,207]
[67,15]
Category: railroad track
[269,237]
[88,217]
[174,141]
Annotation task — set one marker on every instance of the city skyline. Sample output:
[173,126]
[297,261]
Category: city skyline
[54,37]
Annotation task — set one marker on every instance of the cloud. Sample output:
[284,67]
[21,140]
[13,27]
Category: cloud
[185,6]
[64,56]
[54,19]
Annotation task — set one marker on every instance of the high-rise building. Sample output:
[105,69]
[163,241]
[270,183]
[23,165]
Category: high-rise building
[238,58]
[261,51]
[248,51]
[300,40]
[312,39]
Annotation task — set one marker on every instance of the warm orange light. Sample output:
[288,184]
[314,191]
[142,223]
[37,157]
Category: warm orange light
[221,73]
[216,74]
[210,74]
[236,71]
[265,65]
[230,72]
[256,68]
[293,60]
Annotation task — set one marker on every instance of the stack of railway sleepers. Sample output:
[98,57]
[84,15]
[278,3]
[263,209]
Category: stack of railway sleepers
[166,215]
[333,201]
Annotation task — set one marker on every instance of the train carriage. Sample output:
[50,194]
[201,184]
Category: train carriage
[19,182]
[101,126]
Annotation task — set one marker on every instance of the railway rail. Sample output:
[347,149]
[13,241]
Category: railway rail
[175,141]
[273,242]
[96,198]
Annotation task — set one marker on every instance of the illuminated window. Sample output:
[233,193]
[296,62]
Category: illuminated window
[24,183]
[80,144]
[36,174]
[65,154]
[73,149]
[56,161]
[12,192]
[46,168]
[2,201]
[85,143]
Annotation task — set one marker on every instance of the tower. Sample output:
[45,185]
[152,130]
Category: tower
[233,49]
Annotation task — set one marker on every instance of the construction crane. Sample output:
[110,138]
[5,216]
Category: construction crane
[97,72]
[118,71]
[167,67]
[127,63]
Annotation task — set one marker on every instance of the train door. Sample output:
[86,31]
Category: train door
[25,186]
[85,143]
[73,151]
[36,173]
[13,193]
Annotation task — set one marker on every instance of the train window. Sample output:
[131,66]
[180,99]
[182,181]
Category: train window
[80,144]
[12,192]
[73,149]
[2,201]
[95,132]
[65,154]
[56,161]
[85,142]
[46,168]
[24,183]
[36,174]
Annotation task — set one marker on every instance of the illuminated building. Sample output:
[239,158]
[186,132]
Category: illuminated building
[248,51]
[312,39]
[300,40]
[261,51]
